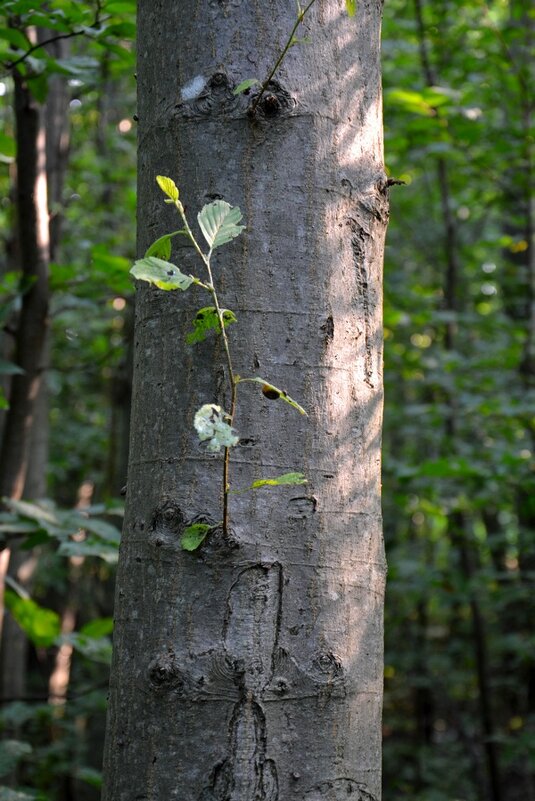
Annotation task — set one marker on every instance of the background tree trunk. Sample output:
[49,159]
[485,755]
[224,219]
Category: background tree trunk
[252,668]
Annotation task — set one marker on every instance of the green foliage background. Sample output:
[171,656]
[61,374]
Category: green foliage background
[459,499]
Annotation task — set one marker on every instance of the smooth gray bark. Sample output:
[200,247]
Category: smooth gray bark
[251,669]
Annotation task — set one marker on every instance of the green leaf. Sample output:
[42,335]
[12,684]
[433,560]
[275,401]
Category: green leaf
[168,187]
[8,148]
[90,776]
[211,424]
[99,627]
[245,85]
[207,320]
[98,649]
[45,517]
[273,393]
[219,223]
[194,535]
[89,547]
[15,38]
[290,479]
[351,7]
[411,101]
[10,368]
[161,273]
[6,794]
[162,246]
[41,625]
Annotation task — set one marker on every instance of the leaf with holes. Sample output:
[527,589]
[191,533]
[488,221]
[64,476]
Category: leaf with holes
[161,273]
[207,320]
[273,393]
[211,424]
[219,223]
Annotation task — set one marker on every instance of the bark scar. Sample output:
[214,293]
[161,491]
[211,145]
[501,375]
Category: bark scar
[250,639]
[358,239]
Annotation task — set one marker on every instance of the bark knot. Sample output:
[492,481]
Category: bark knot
[165,674]
[276,102]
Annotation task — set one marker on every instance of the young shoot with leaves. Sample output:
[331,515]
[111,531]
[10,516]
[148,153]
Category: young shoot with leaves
[219,224]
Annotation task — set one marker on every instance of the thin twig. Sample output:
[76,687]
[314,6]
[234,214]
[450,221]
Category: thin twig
[300,18]
[232,381]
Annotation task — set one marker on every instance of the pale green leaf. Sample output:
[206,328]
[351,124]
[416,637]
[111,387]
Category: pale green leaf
[161,248]
[219,222]
[207,320]
[351,7]
[245,85]
[168,187]
[274,393]
[161,273]
[194,535]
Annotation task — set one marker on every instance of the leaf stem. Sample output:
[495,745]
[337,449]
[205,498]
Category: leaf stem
[299,20]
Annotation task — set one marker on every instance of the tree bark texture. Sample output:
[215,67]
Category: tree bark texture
[251,669]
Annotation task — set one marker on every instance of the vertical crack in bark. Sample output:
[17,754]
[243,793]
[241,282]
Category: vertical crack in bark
[251,631]
[358,237]
[252,620]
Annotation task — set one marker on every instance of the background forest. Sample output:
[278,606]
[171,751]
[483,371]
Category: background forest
[459,437]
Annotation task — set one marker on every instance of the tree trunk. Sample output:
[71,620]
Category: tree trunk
[251,669]
[33,321]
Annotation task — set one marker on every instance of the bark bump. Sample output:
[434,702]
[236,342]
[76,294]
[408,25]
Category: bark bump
[339,790]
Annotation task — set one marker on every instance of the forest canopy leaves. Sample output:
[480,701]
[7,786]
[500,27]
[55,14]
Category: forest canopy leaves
[11,752]
[79,533]
[41,625]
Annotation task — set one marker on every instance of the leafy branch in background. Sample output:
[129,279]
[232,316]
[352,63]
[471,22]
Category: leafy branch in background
[219,223]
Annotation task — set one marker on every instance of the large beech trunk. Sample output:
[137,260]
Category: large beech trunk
[251,669]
